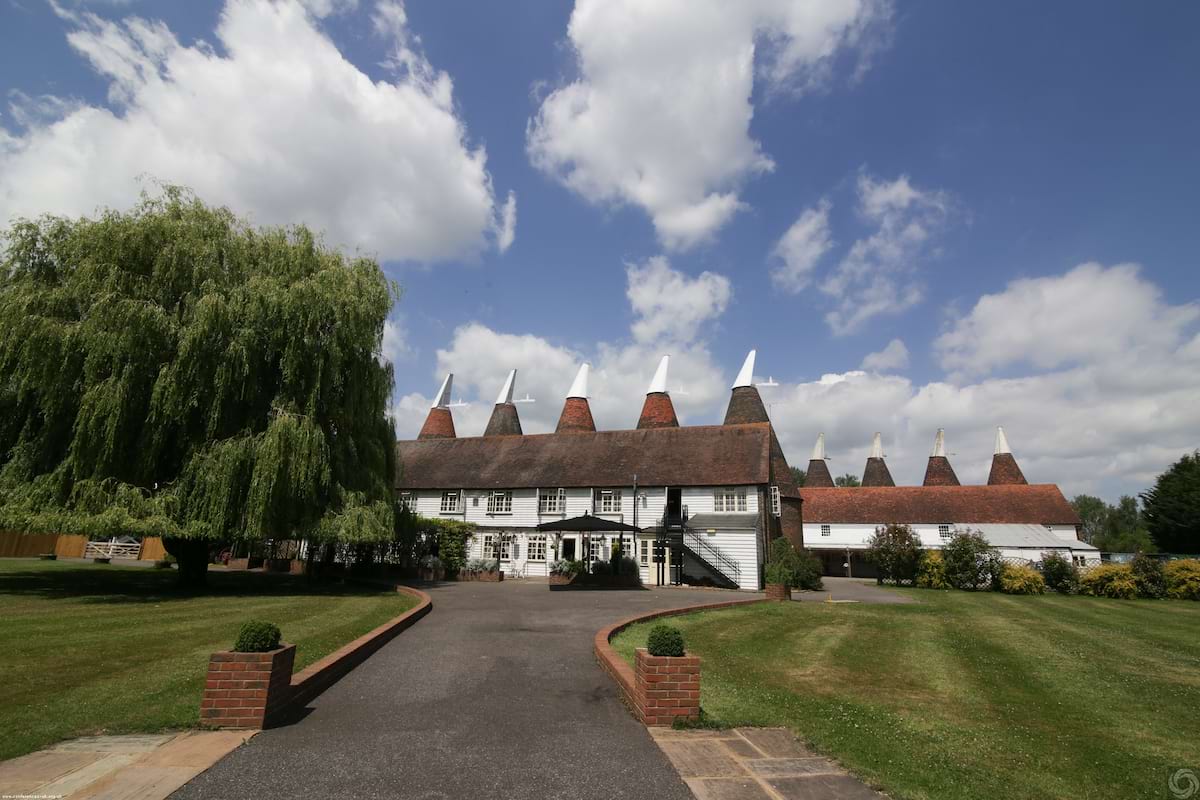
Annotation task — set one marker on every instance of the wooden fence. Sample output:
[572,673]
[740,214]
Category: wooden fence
[26,545]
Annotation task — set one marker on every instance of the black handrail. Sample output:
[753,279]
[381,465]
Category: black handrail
[713,555]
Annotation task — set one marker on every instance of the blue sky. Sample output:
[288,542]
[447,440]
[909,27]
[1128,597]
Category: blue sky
[956,166]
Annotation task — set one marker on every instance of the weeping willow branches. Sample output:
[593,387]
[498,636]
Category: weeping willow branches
[174,371]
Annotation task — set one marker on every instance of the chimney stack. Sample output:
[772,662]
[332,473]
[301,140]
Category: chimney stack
[818,471]
[576,415]
[876,472]
[1004,465]
[657,411]
[504,420]
[939,472]
[439,424]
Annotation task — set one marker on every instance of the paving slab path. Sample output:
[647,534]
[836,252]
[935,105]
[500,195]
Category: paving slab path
[495,694]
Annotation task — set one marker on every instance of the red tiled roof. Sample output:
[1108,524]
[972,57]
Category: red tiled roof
[938,472]
[709,455]
[1005,471]
[439,424]
[658,412]
[576,417]
[1040,504]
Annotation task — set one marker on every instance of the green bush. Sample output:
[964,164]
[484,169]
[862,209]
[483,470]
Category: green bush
[1059,573]
[798,569]
[257,637]
[601,567]
[931,574]
[665,640]
[1021,579]
[1183,579]
[971,563]
[1149,576]
[895,550]
[1110,580]
[568,567]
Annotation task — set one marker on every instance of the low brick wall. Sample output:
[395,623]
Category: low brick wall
[779,591]
[619,669]
[666,688]
[275,690]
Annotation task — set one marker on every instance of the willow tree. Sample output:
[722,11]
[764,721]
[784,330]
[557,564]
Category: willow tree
[174,371]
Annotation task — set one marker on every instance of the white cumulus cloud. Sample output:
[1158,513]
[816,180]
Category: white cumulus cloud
[800,249]
[878,275]
[659,115]
[277,124]
[893,356]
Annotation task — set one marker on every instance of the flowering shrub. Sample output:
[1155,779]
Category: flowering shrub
[1183,579]
[1110,580]
[931,574]
[1016,579]
[1059,573]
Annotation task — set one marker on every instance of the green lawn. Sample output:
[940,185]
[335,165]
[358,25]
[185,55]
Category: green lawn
[966,695]
[86,649]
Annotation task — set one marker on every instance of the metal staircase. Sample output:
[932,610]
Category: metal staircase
[698,559]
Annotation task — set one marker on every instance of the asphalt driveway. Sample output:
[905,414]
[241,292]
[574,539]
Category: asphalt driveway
[494,694]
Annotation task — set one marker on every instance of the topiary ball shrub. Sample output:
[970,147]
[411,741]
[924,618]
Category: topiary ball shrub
[1183,579]
[257,637]
[665,640]
[1020,579]
[1150,578]
[1059,573]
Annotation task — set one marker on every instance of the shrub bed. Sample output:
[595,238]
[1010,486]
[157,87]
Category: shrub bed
[1183,579]
[1015,579]
[1110,580]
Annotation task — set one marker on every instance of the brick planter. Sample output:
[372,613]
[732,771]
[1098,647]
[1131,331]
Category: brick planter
[247,690]
[561,580]
[779,591]
[666,688]
[481,576]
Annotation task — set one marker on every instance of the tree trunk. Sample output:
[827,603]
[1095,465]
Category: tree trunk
[192,555]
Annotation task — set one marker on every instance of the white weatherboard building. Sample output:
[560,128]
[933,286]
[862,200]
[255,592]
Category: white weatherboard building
[1020,520]
[719,493]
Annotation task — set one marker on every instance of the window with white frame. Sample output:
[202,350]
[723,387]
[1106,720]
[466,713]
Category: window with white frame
[489,547]
[826,530]
[500,502]
[945,532]
[537,547]
[551,501]
[776,502]
[450,502]
[644,553]
[407,501]
[598,548]
[515,546]
[729,498]
[606,501]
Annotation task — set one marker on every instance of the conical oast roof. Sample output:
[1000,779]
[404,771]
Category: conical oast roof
[576,415]
[439,424]
[745,404]
[818,471]
[504,420]
[876,473]
[938,471]
[658,411]
[1005,470]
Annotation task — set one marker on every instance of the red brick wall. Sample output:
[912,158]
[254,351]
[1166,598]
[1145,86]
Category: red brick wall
[576,417]
[247,690]
[658,412]
[666,688]
[779,591]
[438,425]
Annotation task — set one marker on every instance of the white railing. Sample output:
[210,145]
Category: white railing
[112,550]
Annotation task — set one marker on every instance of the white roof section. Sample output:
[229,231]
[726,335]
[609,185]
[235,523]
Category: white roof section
[939,444]
[746,376]
[1031,536]
[1001,442]
[818,453]
[579,388]
[877,446]
[506,391]
[442,398]
[659,382]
